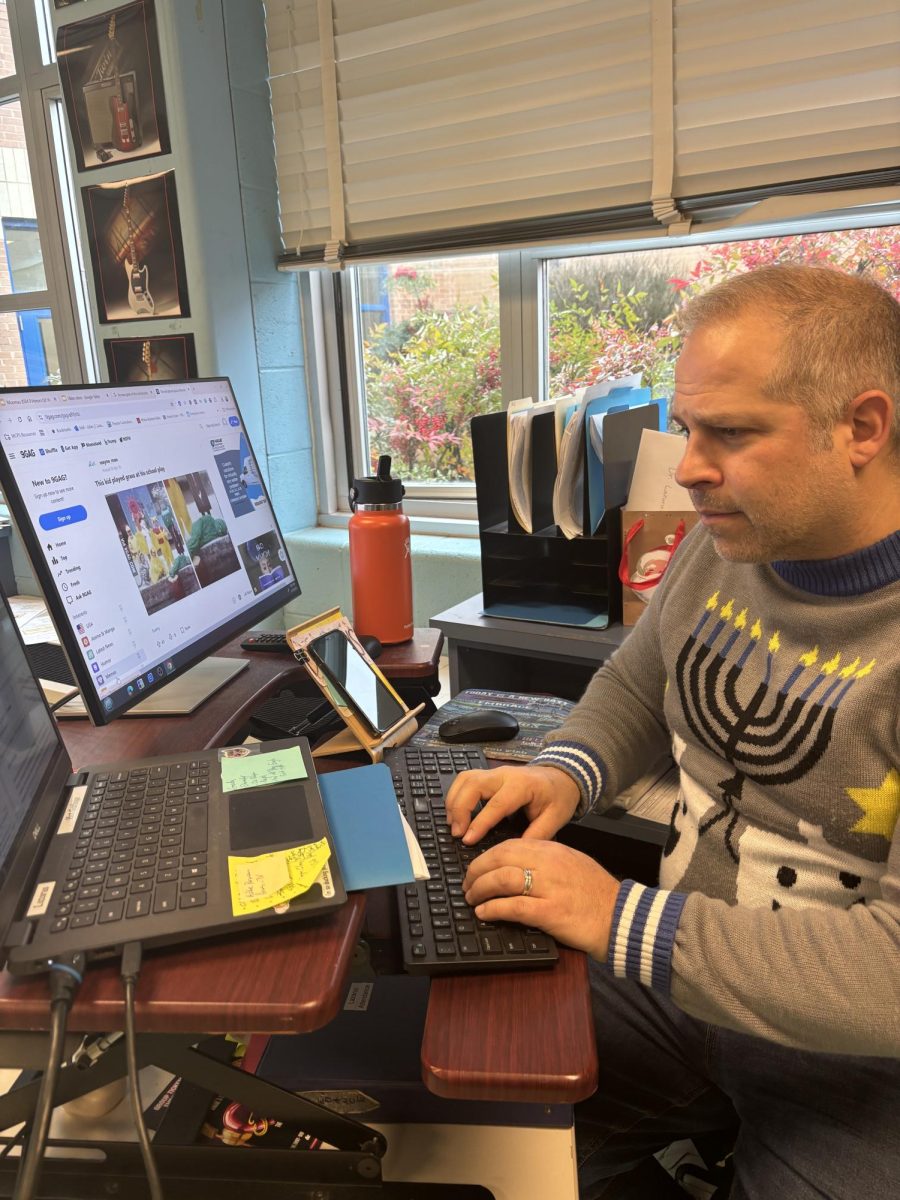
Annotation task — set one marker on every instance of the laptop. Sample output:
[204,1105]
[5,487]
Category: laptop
[143,850]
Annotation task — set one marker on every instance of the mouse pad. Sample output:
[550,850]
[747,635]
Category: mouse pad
[286,818]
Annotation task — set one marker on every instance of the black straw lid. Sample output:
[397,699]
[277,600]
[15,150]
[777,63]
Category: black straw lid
[379,488]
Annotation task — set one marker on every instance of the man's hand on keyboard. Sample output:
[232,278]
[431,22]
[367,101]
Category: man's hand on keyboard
[547,795]
[547,886]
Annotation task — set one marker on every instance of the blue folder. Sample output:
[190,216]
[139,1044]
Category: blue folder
[364,820]
[604,485]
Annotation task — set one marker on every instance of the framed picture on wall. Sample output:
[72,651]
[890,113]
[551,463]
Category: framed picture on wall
[111,79]
[136,250]
[152,359]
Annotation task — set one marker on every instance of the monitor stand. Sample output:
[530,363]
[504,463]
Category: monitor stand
[177,699]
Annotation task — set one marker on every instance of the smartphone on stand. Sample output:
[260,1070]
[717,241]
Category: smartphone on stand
[356,681]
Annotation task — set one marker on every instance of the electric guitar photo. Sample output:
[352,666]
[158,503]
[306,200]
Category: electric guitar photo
[123,128]
[139,299]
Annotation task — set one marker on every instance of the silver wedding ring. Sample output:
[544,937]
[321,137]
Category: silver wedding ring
[529,880]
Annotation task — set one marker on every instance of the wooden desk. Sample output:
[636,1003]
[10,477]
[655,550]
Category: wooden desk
[515,1037]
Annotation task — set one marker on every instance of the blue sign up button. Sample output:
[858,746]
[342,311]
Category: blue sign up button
[233,422]
[63,516]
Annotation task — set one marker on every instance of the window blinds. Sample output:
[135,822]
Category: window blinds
[426,125]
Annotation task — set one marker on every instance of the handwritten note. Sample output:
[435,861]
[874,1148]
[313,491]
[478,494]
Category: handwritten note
[262,770]
[267,880]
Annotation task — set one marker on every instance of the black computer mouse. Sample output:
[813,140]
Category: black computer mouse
[483,725]
[370,644]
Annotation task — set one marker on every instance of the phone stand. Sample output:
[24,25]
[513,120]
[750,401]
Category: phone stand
[356,735]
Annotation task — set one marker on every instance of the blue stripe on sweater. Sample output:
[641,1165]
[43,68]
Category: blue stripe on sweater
[580,763]
[637,941]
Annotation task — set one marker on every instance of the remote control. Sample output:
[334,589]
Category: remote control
[265,640]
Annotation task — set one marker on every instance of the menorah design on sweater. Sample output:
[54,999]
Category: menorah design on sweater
[779,731]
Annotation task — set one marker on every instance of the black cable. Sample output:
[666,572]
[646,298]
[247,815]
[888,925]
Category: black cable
[131,966]
[66,975]
[65,699]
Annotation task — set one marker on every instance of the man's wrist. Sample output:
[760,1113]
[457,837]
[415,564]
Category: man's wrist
[581,765]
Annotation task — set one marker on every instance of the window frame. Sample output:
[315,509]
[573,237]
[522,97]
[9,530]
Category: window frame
[447,508]
[36,87]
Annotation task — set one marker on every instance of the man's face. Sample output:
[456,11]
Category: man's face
[766,484]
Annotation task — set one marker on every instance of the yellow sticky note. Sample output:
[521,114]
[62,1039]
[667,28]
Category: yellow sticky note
[268,879]
[262,770]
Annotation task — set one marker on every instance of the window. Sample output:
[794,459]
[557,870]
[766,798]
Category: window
[429,337]
[427,344]
[613,314]
[43,336]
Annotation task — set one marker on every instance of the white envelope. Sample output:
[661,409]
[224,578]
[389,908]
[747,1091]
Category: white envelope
[653,486]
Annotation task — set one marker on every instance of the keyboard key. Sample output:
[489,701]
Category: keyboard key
[138,906]
[110,911]
[195,832]
[82,920]
[165,897]
[192,899]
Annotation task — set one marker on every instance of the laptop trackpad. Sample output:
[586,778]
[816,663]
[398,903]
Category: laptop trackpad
[268,817]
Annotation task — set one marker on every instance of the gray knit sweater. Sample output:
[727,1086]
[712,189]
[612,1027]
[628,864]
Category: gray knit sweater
[778,689]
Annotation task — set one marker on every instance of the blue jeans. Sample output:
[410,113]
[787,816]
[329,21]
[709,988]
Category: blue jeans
[811,1126]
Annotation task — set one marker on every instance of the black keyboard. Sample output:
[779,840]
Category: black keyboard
[440,933]
[140,846]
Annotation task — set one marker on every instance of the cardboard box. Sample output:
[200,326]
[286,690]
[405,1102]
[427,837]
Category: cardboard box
[366,1063]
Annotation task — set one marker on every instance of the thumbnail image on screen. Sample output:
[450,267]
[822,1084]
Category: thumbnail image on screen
[264,560]
[174,537]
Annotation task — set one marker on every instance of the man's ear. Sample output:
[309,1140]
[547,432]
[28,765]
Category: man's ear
[870,418]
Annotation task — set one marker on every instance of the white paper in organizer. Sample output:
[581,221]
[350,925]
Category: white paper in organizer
[653,486]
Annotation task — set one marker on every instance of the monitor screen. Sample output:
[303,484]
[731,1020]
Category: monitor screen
[148,525]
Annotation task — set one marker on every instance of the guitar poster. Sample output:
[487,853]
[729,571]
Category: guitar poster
[136,251]
[109,67]
[130,360]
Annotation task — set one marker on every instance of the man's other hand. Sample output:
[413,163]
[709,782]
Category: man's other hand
[548,796]
[569,895]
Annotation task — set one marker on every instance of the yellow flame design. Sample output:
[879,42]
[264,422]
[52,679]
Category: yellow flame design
[774,643]
[865,670]
[741,619]
[832,665]
[712,602]
[847,671]
[727,610]
[810,657]
[756,631]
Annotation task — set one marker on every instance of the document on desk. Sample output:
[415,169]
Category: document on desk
[364,819]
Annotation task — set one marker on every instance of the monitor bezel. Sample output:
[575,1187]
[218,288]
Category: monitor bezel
[265,606]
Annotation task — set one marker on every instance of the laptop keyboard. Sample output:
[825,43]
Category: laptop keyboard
[439,931]
[140,846]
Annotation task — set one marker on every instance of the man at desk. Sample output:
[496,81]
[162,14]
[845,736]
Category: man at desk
[760,982]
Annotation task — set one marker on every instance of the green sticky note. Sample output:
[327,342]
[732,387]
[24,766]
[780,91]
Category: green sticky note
[262,770]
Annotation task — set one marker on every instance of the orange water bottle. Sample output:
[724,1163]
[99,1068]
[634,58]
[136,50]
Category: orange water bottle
[380,566]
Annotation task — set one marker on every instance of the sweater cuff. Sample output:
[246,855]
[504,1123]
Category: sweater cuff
[643,934]
[581,765]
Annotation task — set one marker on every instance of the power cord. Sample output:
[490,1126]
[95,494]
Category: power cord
[65,699]
[66,975]
[131,966]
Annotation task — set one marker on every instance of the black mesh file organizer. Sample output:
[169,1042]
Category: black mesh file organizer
[544,576]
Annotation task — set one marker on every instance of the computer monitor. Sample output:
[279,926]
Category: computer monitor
[148,525]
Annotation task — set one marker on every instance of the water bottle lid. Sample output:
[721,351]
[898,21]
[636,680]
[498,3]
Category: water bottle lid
[380,488]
